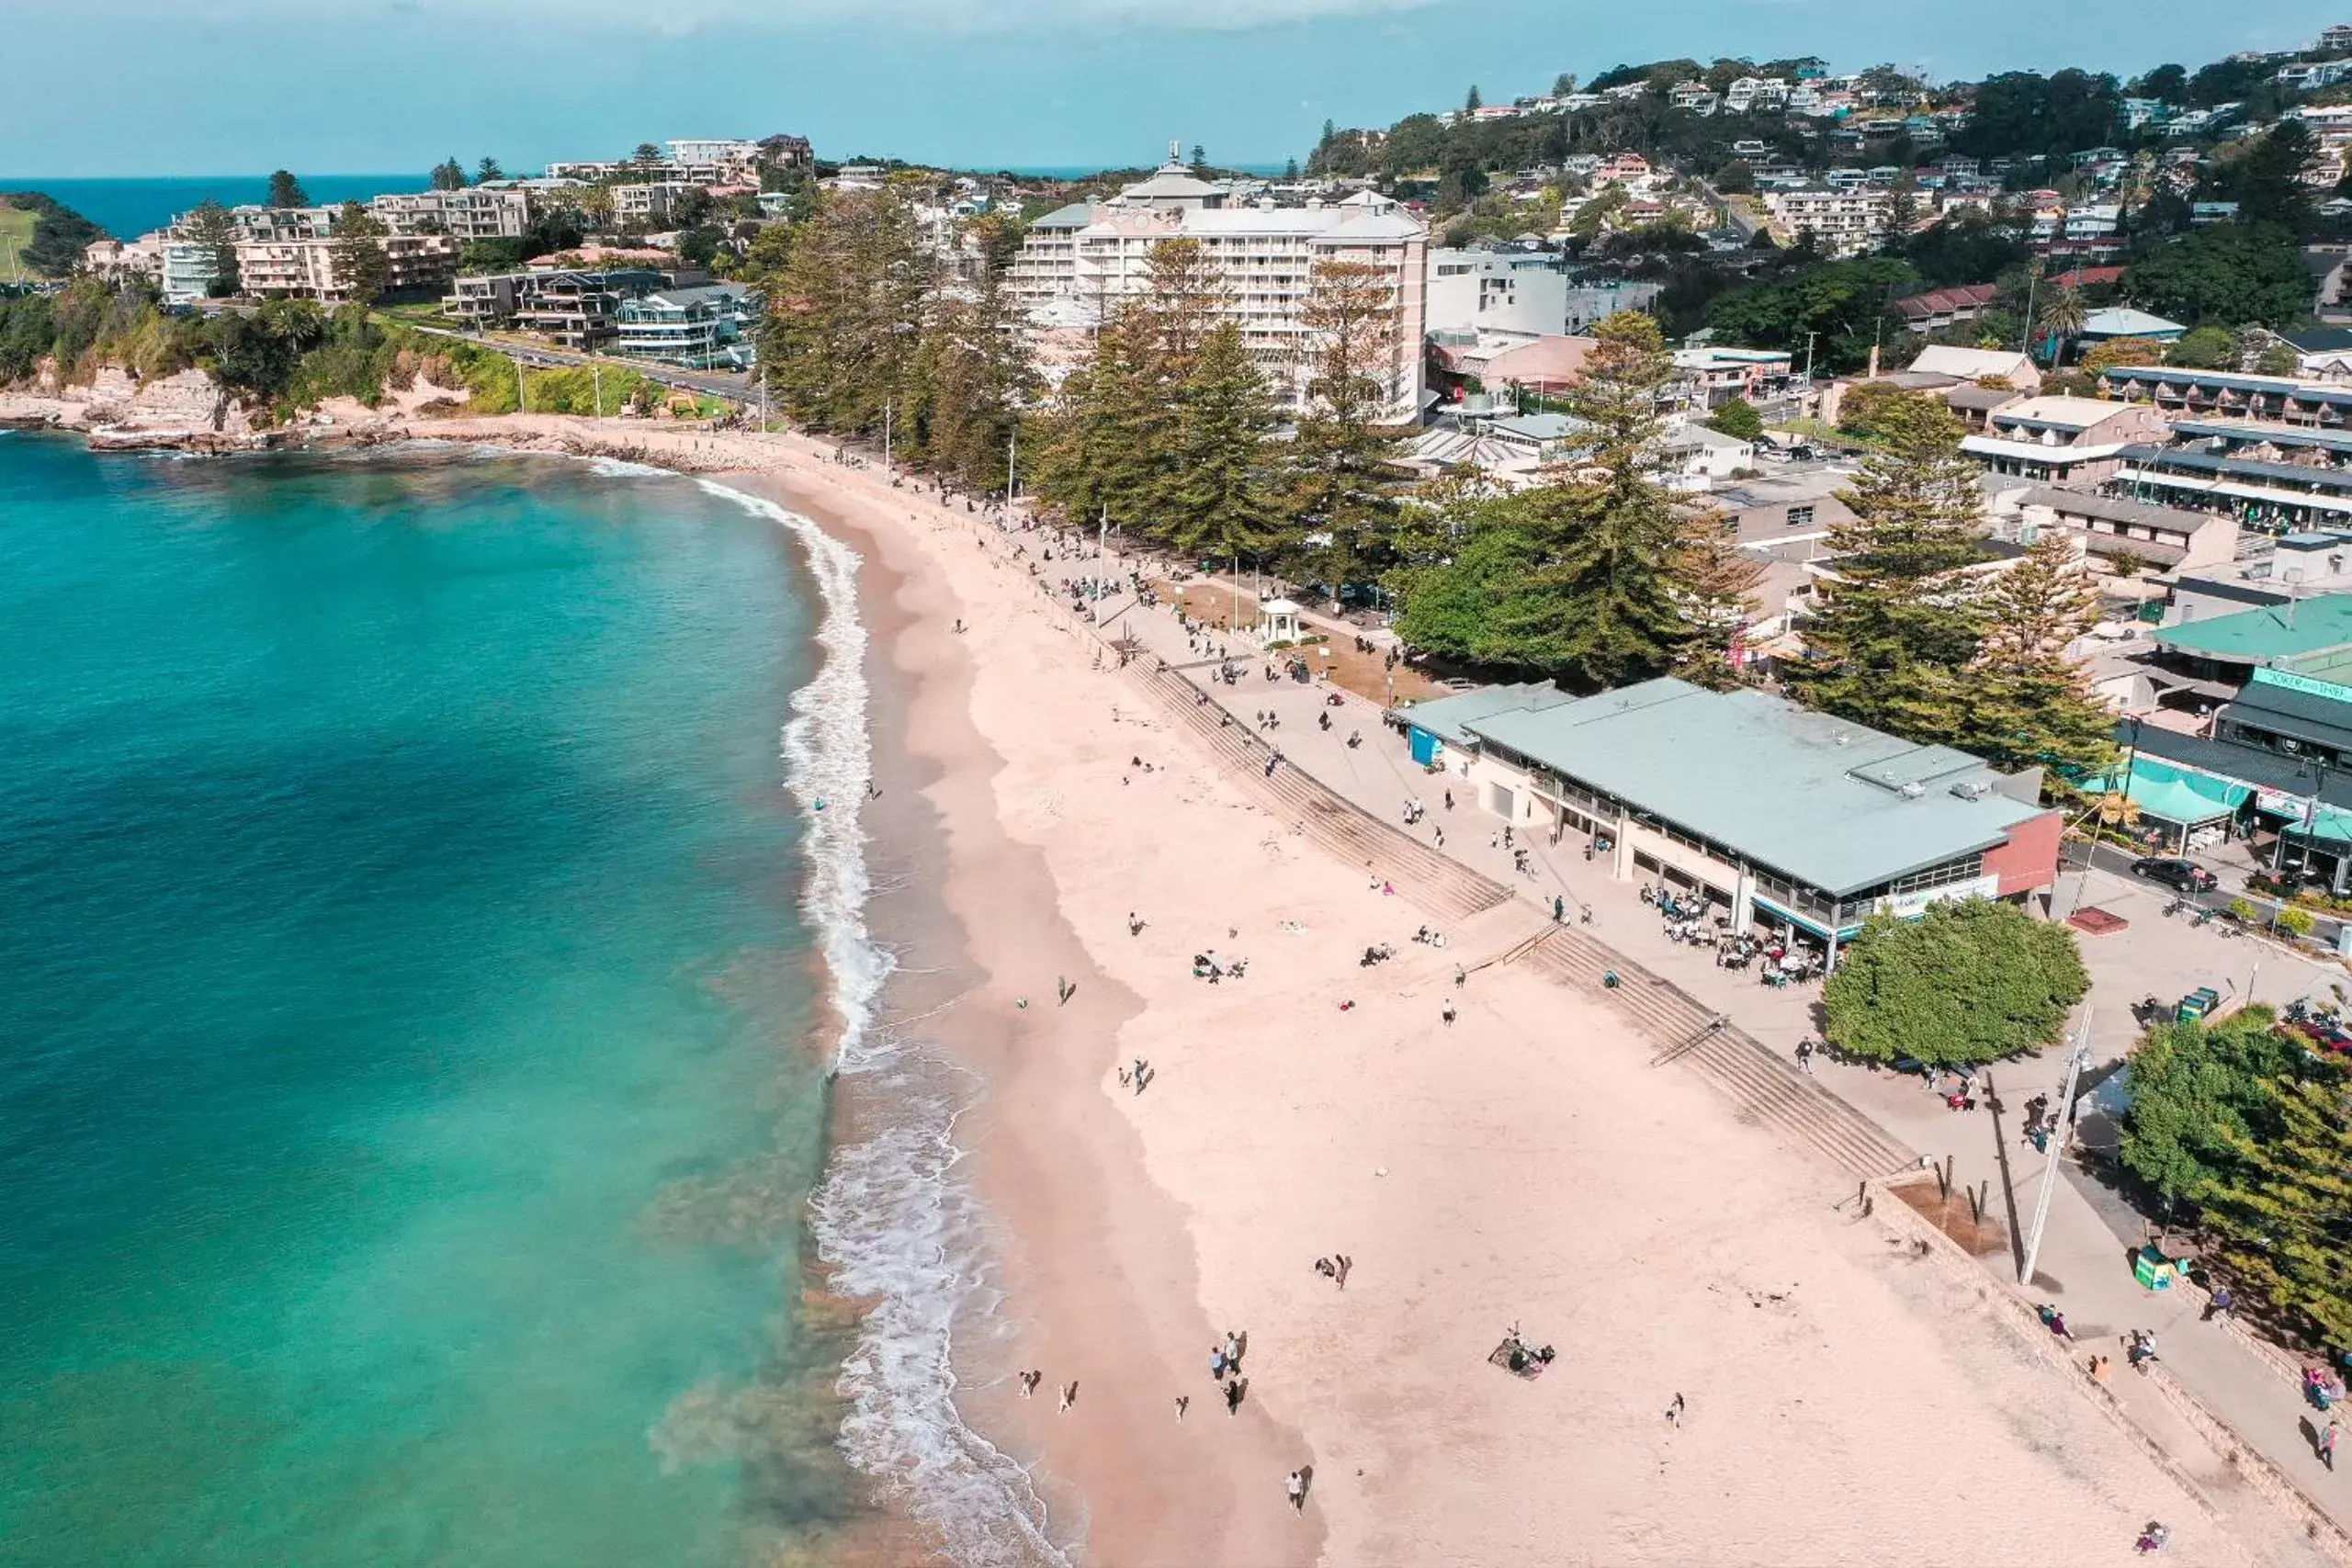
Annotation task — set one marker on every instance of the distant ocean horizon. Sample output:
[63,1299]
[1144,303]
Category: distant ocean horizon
[127,209]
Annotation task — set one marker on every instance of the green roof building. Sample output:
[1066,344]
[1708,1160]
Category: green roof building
[1781,814]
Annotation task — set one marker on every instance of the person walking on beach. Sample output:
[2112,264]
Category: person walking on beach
[1448,1015]
[1234,1390]
[1296,1490]
[1342,1263]
[1233,1349]
[2325,1447]
[1674,1412]
[1184,1402]
[1216,1362]
[1069,1396]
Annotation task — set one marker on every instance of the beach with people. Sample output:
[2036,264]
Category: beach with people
[1735,1365]
[1739,1367]
[1246,1203]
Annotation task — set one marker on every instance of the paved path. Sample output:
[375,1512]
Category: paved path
[1869,1120]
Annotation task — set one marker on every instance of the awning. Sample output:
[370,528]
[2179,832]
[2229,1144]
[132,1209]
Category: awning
[2175,794]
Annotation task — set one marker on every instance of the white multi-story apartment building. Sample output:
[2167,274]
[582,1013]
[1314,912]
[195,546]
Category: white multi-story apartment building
[1524,294]
[1077,264]
[733,158]
[473,213]
[311,270]
[1844,222]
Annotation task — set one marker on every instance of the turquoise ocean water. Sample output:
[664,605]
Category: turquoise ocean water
[406,1103]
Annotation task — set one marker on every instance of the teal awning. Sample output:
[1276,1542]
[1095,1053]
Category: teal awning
[2176,795]
[2329,825]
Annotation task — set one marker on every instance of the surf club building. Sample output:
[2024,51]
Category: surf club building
[1792,820]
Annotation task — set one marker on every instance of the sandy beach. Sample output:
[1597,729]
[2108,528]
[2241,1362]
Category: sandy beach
[1842,1401]
[1837,1398]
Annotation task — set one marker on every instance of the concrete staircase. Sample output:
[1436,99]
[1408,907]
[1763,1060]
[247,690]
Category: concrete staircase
[1764,1090]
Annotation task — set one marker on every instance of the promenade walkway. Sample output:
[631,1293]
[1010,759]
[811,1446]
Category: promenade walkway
[2218,1388]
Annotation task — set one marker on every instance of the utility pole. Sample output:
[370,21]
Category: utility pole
[1011,466]
[886,434]
[2075,1063]
[1808,368]
[2033,281]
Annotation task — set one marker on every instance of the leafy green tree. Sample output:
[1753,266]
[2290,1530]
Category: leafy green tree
[1888,646]
[1840,302]
[1225,506]
[448,175]
[968,386]
[210,226]
[646,158]
[361,264]
[1969,982]
[698,246]
[2204,348]
[1734,179]
[285,190]
[1870,408]
[487,171]
[2227,275]
[2033,705]
[1473,103]
[1738,418]
[2196,1088]
[2285,1217]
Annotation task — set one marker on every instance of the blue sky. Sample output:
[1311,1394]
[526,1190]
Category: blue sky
[163,87]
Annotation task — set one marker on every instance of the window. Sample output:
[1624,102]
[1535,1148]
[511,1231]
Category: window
[1800,516]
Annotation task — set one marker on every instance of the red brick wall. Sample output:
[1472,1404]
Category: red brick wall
[2030,860]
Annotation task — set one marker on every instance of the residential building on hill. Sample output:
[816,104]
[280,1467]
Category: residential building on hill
[1843,222]
[701,328]
[2057,441]
[576,308]
[421,264]
[474,213]
[1094,255]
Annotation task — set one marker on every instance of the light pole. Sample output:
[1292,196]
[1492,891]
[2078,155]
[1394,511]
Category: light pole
[2076,1061]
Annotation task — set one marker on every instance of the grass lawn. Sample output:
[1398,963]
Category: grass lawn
[16,234]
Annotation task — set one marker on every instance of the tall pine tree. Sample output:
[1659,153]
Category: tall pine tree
[2031,705]
[1224,506]
[1340,489]
[2286,1218]
[1605,575]
[1888,646]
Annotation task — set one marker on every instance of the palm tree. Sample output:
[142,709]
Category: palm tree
[2062,318]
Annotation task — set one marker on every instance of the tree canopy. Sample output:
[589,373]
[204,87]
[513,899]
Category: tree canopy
[1604,574]
[2197,1089]
[1968,982]
[2229,275]
[285,190]
[60,233]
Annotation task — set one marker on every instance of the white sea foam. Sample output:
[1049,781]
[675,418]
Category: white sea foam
[620,468]
[893,1216]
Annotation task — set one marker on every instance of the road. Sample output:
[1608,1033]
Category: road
[2069,896]
[733,384]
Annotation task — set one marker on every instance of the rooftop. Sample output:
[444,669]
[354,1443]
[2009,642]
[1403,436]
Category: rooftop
[2121,320]
[2113,509]
[1817,799]
[2272,635]
[2060,414]
[1968,364]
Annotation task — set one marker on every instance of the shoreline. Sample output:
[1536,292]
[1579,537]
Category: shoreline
[1127,1221]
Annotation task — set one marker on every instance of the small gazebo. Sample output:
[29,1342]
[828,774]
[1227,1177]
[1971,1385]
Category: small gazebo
[1278,621]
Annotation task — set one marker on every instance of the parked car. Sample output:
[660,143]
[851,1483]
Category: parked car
[2180,876]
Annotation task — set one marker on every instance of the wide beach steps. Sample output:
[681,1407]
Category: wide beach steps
[1765,1089]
